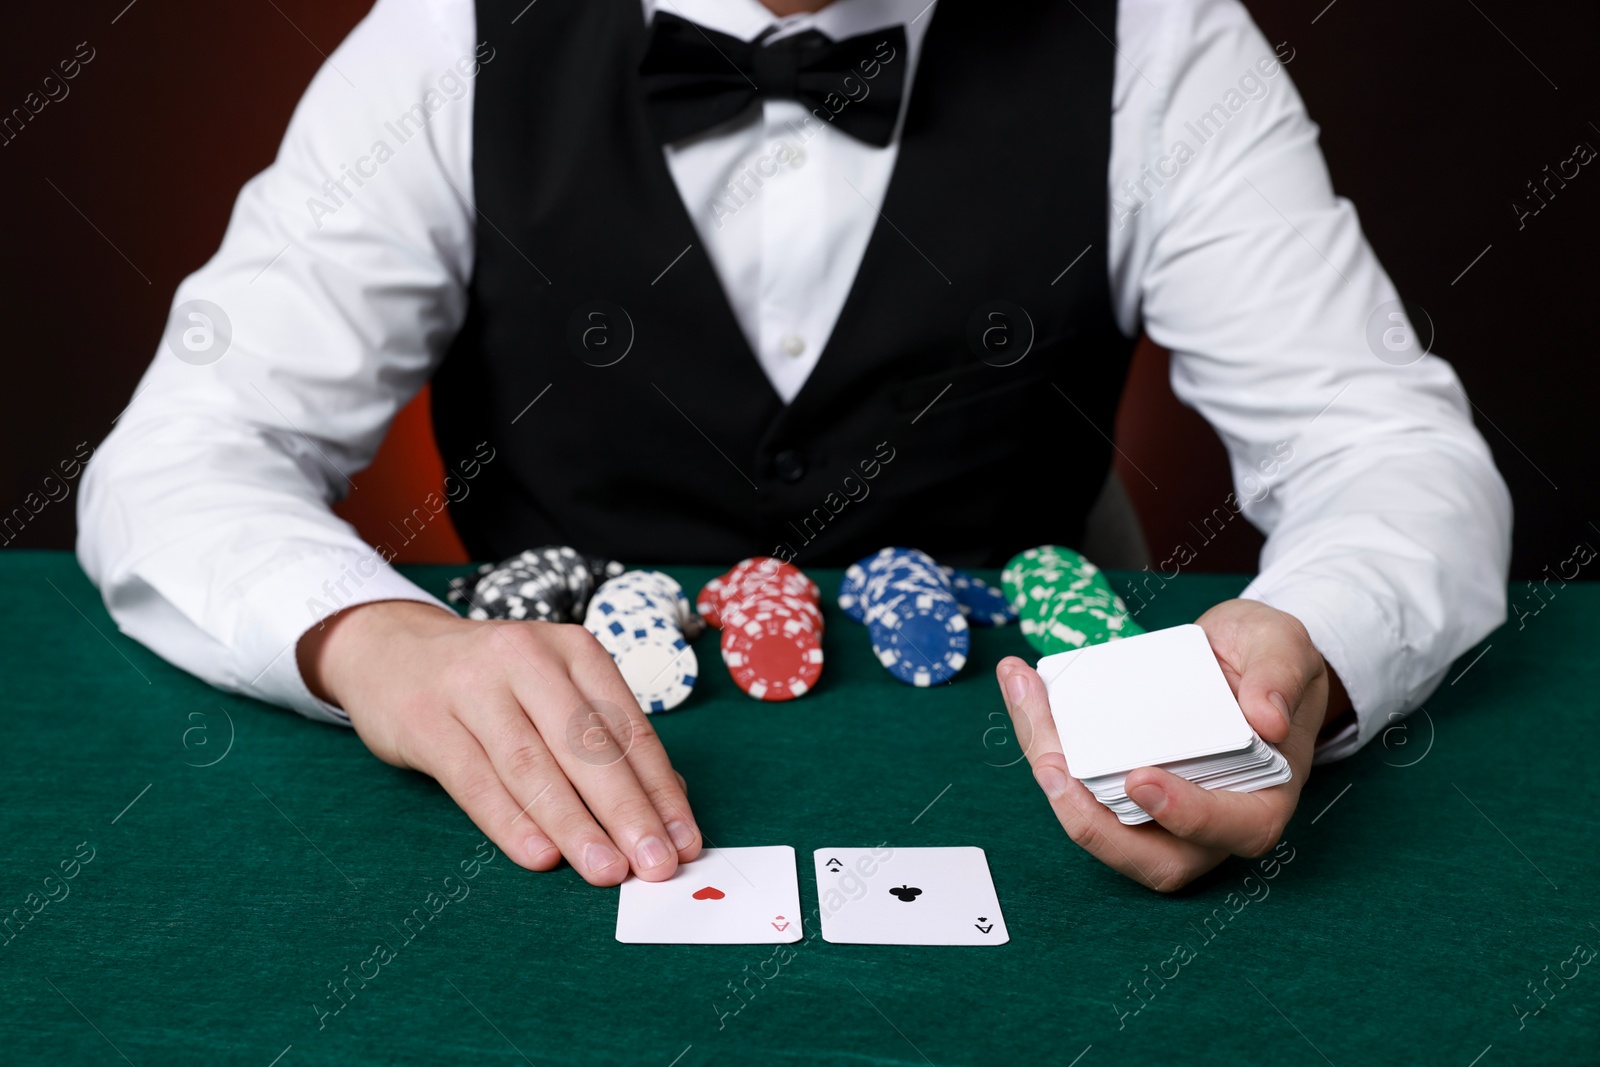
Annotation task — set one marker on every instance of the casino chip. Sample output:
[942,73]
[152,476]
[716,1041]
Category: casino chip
[638,617]
[666,591]
[549,584]
[772,655]
[1063,601]
[923,648]
[770,615]
[706,603]
[916,622]
[981,603]
[850,593]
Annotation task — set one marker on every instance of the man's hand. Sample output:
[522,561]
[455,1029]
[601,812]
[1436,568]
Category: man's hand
[528,725]
[1281,683]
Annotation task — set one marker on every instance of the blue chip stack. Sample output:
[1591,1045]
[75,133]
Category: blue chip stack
[918,629]
[981,603]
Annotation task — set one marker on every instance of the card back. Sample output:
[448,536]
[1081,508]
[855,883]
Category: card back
[1142,701]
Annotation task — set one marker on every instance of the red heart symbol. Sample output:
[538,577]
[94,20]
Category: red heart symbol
[709,893]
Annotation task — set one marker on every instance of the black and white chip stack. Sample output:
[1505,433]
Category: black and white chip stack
[549,584]
[917,624]
[646,622]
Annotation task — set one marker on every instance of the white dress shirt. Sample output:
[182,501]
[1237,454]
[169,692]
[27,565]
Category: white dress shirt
[204,516]
[786,246]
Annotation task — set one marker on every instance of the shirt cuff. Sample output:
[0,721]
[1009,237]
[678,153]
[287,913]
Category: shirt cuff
[1357,638]
[1338,746]
[276,612]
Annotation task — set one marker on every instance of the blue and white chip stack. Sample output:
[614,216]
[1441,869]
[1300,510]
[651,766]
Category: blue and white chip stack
[645,621]
[981,603]
[918,629]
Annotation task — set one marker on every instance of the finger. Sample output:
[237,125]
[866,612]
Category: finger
[1157,859]
[1244,824]
[1276,664]
[1147,854]
[459,764]
[608,785]
[538,784]
[596,676]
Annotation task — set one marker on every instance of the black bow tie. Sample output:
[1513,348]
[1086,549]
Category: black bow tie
[695,78]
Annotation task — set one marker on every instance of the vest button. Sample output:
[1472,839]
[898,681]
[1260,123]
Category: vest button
[789,465]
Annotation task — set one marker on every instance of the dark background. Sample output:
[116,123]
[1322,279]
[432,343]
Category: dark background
[1434,113]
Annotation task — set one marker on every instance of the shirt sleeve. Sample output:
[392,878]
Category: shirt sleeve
[204,517]
[1388,527]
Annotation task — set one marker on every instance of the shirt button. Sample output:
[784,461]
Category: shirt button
[797,156]
[789,465]
[793,344]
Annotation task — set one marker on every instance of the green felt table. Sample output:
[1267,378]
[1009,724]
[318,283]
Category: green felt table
[231,860]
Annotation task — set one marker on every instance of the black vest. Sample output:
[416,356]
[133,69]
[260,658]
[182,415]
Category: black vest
[656,436]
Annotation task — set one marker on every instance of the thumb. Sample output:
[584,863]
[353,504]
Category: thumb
[1276,667]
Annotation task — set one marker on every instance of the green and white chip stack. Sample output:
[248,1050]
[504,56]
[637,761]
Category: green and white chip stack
[1063,601]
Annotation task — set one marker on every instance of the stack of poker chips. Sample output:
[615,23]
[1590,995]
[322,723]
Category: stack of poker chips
[980,602]
[1063,601]
[771,619]
[550,584]
[644,620]
[917,626]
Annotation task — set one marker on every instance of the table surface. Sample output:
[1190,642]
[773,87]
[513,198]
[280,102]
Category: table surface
[241,860]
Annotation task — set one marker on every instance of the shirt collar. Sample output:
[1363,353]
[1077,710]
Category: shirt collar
[747,19]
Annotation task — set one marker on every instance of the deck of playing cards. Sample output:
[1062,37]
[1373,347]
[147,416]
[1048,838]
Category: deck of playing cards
[1155,700]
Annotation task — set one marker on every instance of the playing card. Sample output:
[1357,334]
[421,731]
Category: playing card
[727,896]
[1142,701]
[908,896]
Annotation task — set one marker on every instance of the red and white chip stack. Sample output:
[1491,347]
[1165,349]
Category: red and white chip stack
[770,615]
